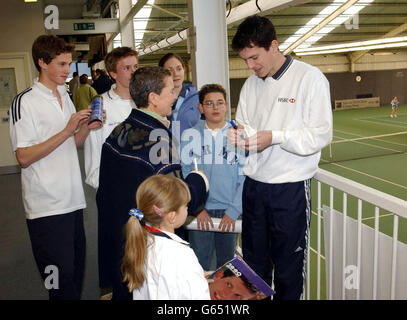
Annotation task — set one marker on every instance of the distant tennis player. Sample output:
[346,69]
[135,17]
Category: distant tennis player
[394,106]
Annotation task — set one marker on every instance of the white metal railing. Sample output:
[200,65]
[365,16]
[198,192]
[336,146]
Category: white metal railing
[191,224]
[379,200]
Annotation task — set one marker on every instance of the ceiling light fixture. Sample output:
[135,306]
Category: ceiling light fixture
[394,42]
[328,10]
[140,21]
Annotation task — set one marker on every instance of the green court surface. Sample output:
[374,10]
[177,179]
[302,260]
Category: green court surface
[380,163]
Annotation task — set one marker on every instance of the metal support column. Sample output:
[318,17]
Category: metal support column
[208,43]
[126,25]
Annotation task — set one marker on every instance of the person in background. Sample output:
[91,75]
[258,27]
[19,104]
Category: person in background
[206,143]
[45,131]
[284,120]
[102,82]
[74,83]
[120,63]
[139,147]
[394,106]
[94,76]
[84,95]
[157,264]
[185,108]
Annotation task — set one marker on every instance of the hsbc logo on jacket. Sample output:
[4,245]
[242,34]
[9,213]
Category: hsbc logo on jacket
[286,100]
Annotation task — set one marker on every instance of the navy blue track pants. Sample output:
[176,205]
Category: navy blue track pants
[59,241]
[275,231]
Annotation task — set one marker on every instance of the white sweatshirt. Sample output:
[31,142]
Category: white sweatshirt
[295,105]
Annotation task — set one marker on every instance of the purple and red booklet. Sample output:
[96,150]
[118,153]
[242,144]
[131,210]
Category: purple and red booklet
[235,280]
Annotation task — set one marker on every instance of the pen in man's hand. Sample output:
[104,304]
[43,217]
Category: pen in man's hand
[233,124]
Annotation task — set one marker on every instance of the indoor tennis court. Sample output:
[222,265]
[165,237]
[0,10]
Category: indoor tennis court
[368,147]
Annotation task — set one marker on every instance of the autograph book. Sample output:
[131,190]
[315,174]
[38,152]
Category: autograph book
[235,280]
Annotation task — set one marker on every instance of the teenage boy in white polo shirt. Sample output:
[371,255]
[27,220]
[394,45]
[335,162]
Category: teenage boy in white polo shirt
[120,63]
[285,110]
[45,130]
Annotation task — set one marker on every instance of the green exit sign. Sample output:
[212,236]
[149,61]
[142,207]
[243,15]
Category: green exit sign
[84,26]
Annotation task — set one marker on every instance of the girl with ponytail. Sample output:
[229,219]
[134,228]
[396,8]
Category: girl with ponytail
[158,264]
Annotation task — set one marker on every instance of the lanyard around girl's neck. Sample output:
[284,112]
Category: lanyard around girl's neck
[159,233]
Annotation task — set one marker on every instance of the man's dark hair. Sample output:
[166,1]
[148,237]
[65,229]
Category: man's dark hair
[75,74]
[208,88]
[247,283]
[115,55]
[47,47]
[168,56]
[146,80]
[83,79]
[254,31]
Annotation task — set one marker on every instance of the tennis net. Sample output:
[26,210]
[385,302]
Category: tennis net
[365,147]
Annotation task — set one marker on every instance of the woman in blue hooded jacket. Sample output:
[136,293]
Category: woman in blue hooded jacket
[185,108]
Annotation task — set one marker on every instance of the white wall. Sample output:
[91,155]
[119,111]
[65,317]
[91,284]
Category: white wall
[20,24]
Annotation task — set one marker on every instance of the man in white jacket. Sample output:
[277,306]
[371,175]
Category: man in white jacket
[120,63]
[284,119]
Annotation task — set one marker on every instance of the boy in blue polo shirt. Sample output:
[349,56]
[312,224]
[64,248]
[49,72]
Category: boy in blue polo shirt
[206,145]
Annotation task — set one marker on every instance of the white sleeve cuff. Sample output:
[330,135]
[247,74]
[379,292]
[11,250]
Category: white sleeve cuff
[277,137]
